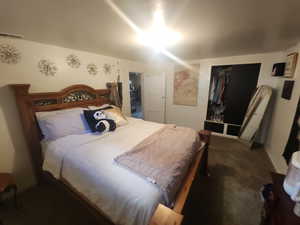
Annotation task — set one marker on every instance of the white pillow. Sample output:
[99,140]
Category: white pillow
[61,123]
[40,115]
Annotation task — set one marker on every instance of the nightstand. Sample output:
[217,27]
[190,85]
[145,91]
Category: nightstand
[279,211]
[7,184]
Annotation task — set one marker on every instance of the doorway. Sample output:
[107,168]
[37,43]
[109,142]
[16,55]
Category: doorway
[135,87]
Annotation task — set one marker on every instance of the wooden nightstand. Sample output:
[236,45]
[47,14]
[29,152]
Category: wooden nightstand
[279,211]
[7,184]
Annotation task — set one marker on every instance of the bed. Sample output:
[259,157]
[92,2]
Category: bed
[85,163]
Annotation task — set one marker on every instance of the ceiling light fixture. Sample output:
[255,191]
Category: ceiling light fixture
[159,36]
[136,29]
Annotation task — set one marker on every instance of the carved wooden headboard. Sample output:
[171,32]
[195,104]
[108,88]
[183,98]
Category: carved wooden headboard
[70,97]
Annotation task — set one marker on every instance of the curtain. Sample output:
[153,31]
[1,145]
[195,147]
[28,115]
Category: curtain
[293,141]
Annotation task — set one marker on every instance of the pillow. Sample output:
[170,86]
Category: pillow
[93,107]
[112,112]
[97,121]
[40,115]
[116,114]
[60,123]
[105,125]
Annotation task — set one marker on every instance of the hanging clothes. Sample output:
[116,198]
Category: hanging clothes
[219,82]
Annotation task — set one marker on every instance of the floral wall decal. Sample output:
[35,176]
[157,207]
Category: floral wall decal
[107,68]
[118,71]
[9,54]
[92,69]
[47,67]
[73,61]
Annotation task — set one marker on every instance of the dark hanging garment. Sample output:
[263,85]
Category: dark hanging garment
[293,142]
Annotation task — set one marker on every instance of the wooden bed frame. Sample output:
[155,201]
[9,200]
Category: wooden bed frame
[82,96]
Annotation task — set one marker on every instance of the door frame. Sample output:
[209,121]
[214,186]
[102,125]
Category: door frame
[141,74]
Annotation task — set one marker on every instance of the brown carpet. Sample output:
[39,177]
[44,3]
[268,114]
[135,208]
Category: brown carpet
[228,197]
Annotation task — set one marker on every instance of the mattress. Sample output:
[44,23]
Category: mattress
[86,162]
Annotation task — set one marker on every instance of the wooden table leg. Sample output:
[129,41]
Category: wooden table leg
[14,188]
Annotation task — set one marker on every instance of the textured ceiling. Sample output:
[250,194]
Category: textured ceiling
[210,28]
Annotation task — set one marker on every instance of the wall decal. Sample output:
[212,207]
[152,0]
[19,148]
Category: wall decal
[107,68]
[9,54]
[118,68]
[73,61]
[47,67]
[92,69]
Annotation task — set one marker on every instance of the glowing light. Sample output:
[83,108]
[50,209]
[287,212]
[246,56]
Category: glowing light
[158,36]
[139,32]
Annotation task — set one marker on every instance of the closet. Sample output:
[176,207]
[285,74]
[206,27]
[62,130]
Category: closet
[231,89]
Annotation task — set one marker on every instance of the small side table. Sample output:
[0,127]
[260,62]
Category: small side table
[279,211]
[8,184]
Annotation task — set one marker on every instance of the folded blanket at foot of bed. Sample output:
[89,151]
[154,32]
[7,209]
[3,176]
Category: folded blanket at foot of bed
[163,158]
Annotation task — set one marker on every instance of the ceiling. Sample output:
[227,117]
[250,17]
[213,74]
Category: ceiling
[210,28]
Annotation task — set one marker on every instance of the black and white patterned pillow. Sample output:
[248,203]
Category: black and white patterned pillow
[98,122]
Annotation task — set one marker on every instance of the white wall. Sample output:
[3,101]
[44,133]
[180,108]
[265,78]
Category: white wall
[194,116]
[276,125]
[283,116]
[14,156]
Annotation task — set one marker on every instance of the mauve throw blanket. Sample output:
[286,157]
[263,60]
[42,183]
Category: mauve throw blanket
[163,158]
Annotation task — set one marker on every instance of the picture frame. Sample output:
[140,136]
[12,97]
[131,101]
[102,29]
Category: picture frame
[278,70]
[287,89]
[291,64]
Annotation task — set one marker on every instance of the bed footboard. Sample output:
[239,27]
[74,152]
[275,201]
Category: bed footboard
[167,216]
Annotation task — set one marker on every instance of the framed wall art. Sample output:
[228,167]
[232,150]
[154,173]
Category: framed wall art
[287,89]
[278,70]
[291,64]
[186,85]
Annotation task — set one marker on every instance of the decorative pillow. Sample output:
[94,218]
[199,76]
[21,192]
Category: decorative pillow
[105,125]
[93,107]
[59,124]
[97,121]
[116,114]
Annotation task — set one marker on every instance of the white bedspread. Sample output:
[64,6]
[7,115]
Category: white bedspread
[87,162]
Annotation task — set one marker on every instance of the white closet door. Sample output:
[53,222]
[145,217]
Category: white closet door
[154,97]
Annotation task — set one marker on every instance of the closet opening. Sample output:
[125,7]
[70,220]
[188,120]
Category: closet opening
[135,87]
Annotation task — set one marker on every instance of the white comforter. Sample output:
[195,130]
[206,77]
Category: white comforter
[87,162]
